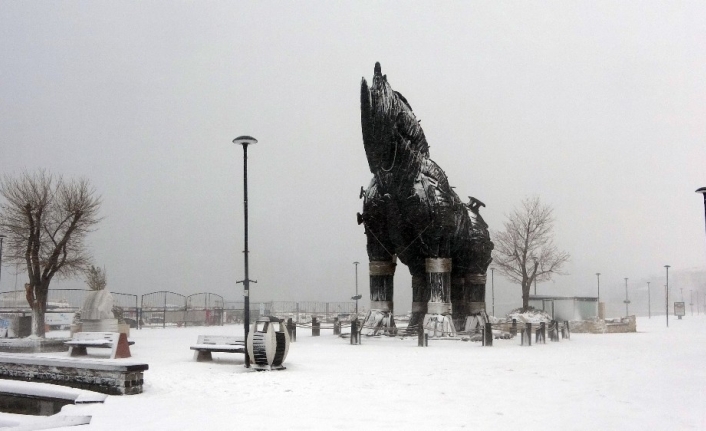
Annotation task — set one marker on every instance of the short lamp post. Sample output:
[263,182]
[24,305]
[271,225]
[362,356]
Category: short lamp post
[245,141]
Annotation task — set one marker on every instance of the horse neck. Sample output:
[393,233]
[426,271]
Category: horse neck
[404,168]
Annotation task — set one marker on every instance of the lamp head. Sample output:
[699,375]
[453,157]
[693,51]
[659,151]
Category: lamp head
[701,190]
[245,140]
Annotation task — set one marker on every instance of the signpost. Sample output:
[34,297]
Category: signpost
[679,309]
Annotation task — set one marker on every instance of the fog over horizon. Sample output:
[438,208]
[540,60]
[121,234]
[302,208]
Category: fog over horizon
[597,108]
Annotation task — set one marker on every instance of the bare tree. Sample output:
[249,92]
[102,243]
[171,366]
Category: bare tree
[46,220]
[525,250]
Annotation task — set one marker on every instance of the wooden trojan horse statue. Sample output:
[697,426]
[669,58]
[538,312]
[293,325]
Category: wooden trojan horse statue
[411,213]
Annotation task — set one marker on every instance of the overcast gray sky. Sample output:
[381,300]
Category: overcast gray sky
[596,107]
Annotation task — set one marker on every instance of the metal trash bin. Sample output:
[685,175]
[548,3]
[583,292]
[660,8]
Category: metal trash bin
[268,343]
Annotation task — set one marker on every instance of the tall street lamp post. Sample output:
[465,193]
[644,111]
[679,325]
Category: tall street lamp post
[702,190]
[649,304]
[627,301]
[245,141]
[666,288]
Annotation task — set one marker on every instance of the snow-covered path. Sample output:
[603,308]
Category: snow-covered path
[654,379]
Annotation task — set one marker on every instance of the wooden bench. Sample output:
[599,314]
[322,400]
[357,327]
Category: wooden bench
[216,343]
[117,343]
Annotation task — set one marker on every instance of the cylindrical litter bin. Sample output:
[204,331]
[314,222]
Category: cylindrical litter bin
[268,343]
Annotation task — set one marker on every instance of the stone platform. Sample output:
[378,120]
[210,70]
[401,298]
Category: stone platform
[112,377]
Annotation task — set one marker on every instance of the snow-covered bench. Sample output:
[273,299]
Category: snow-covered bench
[206,344]
[120,347]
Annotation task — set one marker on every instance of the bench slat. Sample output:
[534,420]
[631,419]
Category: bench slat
[89,343]
[214,347]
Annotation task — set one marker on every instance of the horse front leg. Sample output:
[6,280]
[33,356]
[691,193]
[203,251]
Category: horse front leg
[438,321]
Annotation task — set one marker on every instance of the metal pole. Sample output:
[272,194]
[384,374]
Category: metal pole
[356,288]
[246,282]
[702,190]
[244,141]
[492,286]
[598,278]
[666,288]
[649,304]
[627,301]
[2,237]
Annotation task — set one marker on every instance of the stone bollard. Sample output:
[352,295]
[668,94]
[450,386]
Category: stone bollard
[355,333]
[558,335]
[288,324]
[292,330]
[554,331]
[513,328]
[542,333]
[422,337]
[336,326]
[488,335]
[315,327]
[566,331]
[526,339]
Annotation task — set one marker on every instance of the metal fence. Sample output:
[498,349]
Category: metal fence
[169,308]
[163,308]
[298,311]
[62,304]
[303,311]
[63,300]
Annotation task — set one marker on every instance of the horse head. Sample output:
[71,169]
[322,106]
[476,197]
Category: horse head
[389,126]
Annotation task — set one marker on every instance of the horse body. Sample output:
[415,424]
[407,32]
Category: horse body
[411,213]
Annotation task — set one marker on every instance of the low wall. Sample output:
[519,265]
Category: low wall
[100,375]
[601,326]
[626,324]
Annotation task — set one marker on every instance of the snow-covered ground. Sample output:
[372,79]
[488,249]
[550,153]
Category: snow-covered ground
[651,380]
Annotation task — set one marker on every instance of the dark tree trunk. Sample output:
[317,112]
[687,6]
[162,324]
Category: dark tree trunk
[37,298]
[526,284]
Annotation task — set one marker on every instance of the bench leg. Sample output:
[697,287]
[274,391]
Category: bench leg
[77,351]
[202,356]
[122,349]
